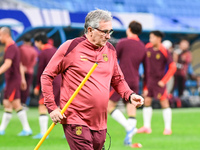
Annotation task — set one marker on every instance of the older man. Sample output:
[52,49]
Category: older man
[85,121]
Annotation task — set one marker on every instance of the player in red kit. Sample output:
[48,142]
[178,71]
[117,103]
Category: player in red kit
[47,51]
[131,52]
[28,55]
[85,121]
[183,59]
[159,58]
[14,76]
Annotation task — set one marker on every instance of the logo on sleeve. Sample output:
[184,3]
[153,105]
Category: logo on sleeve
[84,58]
[78,130]
[105,57]
[148,54]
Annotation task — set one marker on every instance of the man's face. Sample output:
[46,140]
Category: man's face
[154,39]
[101,35]
[38,44]
[184,45]
[2,37]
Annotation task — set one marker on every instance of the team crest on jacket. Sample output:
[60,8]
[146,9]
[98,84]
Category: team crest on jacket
[105,57]
[159,95]
[148,54]
[78,130]
[157,56]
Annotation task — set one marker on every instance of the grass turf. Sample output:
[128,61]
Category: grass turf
[186,133]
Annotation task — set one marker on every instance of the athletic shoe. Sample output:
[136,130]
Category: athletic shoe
[136,145]
[144,130]
[129,135]
[25,133]
[167,132]
[2,132]
[39,136]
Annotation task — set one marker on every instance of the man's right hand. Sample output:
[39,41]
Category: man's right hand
[36,91]
[56,116]
[136,100]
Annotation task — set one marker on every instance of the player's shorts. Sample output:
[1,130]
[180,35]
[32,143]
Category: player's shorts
[115,97]
[12,90]
[41,101]
[81,137]
[157,92]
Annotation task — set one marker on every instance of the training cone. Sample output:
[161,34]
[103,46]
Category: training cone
[136,145]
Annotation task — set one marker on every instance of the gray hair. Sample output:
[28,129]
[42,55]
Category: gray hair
[94,17]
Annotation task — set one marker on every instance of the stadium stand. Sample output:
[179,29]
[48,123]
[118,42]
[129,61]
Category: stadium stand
[158,7]
[13,4]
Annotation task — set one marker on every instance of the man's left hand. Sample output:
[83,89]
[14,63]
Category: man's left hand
[161,83]
[23,85]
[137,100]
[36,91]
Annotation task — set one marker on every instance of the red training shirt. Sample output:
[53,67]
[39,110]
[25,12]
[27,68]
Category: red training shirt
[130,53]
[73,60]
[28,56]
[158,60]
[13,73]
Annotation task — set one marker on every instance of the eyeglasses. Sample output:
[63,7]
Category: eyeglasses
[110,32]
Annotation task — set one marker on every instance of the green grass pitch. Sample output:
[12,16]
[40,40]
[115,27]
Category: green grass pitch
[186,133]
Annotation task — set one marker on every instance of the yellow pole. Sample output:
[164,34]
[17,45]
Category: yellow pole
[67,105]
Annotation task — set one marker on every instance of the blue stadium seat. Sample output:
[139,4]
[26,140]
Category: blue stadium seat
[159,7]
